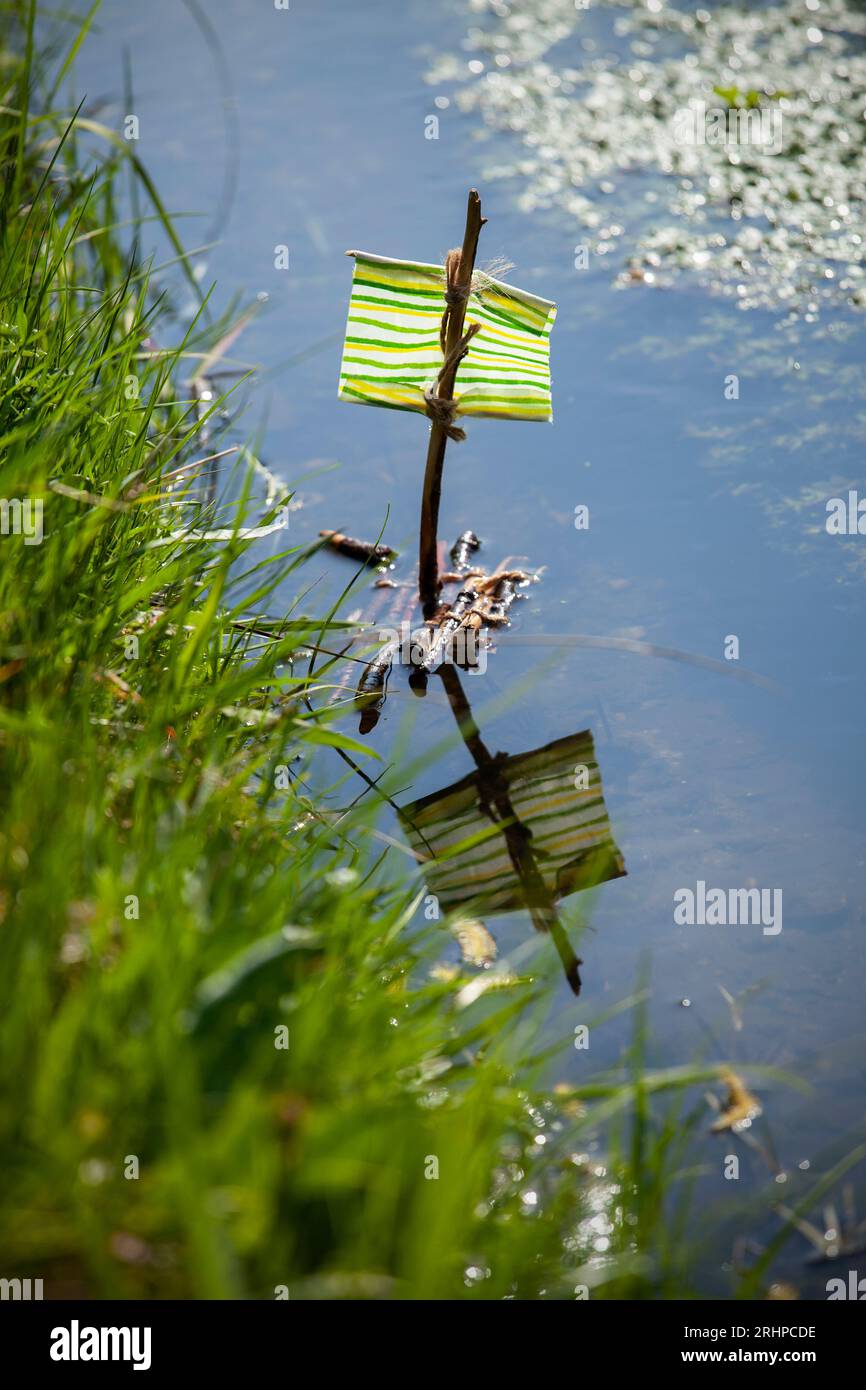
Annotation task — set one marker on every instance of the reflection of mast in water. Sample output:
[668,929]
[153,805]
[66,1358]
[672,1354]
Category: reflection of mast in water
[554,835]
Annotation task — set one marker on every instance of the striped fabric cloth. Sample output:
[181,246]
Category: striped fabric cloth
[392,348]
[571,836]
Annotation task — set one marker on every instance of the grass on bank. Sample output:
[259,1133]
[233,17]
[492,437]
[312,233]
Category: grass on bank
[171,912]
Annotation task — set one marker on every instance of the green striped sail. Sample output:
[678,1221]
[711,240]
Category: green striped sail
[392,352]
[571,835]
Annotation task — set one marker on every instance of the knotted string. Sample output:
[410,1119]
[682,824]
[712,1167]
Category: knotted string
[455,293]
[442,409]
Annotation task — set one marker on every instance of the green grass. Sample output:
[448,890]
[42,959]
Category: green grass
[168,904]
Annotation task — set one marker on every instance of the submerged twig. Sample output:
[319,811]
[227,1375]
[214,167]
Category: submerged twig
[463,549]
[372,687]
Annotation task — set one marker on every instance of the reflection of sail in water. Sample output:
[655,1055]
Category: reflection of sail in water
[551,834]
[571,835]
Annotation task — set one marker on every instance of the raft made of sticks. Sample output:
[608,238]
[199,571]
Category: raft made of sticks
[484,600]
[372,688]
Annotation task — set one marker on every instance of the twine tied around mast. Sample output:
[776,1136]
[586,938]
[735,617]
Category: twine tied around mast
[442,409]
[480,281]
[455,293]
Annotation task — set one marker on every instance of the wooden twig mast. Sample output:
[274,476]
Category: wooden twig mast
[461,267]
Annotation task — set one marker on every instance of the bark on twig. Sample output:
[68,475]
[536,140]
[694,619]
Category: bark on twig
[358,550]
[460,273]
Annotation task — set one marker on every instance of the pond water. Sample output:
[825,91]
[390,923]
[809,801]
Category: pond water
[308,128]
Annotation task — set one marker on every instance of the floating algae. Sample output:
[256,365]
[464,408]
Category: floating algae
[740,130]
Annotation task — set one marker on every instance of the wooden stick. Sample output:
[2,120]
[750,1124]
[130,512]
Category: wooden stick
[428,569]
[358,550]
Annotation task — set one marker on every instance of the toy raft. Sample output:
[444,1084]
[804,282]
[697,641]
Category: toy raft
[411,327]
